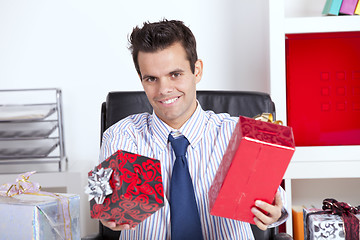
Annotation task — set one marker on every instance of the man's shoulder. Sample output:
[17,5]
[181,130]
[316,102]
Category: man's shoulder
[221,118]
[134,122]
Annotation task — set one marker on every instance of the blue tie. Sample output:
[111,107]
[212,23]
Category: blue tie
[185,220]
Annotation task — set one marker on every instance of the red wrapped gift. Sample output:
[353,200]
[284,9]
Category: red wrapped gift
[135,186]
[252,168]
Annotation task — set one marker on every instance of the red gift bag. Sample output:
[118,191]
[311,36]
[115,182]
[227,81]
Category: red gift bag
[252,168]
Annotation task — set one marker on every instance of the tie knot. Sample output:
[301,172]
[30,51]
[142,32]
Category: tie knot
[179,145]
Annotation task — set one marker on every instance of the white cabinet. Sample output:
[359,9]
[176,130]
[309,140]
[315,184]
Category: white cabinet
[311,167]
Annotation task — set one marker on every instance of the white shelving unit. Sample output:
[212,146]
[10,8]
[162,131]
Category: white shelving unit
[310,167]
[31,127]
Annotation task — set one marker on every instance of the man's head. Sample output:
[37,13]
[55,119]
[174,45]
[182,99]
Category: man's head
[165,57]
[157,36]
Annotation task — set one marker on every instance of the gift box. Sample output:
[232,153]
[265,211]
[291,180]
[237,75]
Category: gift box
[40,217]
[252,168]
[335,222]
[126,188]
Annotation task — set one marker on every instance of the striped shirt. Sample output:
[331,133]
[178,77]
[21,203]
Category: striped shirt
[209,135]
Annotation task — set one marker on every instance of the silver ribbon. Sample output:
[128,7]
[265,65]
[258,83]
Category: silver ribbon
[98,184]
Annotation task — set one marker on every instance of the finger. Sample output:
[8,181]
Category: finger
[261,216]
[278,201]
[115,227]
[273,211]
[260,224]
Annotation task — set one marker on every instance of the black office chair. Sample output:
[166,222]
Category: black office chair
[119,105]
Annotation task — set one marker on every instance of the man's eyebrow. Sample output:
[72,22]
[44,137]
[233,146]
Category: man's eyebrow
[176,71]
[147,76]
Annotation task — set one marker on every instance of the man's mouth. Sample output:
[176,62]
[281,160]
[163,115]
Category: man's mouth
[170,100]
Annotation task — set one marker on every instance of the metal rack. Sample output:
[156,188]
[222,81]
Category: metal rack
[31,127]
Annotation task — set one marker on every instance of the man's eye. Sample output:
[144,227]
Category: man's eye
[175,75]
[150,79]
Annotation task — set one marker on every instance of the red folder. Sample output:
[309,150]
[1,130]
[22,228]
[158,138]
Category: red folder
[252,168]
[323,88]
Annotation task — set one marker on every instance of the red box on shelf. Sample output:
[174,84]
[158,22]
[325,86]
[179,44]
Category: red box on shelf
[137,189]
[323,88]
[252,168]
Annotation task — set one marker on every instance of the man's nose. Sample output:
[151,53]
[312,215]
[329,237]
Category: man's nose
[165,85]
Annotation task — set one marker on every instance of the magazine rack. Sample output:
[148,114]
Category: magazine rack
[31,127]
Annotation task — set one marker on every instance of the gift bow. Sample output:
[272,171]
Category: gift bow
[267,117]
[22,185]
[98,184]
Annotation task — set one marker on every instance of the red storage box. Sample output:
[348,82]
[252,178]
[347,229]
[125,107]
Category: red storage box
[323,88]
[252,168]
[137,189]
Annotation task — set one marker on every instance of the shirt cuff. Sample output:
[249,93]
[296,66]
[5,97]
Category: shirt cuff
[284,216]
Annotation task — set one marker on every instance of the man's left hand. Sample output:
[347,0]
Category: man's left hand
[263,220]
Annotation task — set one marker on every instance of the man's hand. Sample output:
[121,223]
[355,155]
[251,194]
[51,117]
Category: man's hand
[115,227]
[263,220]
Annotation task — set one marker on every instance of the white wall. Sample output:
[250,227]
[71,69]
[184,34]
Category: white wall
[81,47]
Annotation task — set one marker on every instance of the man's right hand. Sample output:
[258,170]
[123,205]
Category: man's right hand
[115,227]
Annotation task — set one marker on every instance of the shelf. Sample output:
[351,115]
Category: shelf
[31,112]
[27,130]
[32,148]
[325,162]
[322,24]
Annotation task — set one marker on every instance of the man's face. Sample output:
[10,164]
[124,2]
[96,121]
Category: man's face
[169,83]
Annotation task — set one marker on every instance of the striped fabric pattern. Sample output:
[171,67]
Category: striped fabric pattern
[209,135]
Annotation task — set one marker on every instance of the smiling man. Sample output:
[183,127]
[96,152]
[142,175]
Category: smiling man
[164,54]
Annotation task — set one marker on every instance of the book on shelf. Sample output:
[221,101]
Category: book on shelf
[348,7]
[332,7]
[298,222]
[357,9]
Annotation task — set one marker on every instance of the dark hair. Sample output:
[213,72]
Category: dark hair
[160,35]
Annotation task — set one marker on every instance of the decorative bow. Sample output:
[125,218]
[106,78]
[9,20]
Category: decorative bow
[98,184]
[267,117]
[22,185]
[338,208]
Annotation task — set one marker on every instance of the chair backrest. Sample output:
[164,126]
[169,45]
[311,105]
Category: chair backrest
[119,105]
[122,104]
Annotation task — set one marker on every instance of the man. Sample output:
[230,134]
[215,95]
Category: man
[164,54]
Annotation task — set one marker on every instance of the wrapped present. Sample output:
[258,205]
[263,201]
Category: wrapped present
[337,220]
[28,213]
[126,188]
[252,168]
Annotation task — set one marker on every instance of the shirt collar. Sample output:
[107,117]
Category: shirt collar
[191,128]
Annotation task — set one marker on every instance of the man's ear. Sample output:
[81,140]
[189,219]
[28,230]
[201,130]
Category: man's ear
[198,70]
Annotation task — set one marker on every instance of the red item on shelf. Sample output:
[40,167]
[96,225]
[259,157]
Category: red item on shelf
[323,88]
[137,189]
[252,168]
